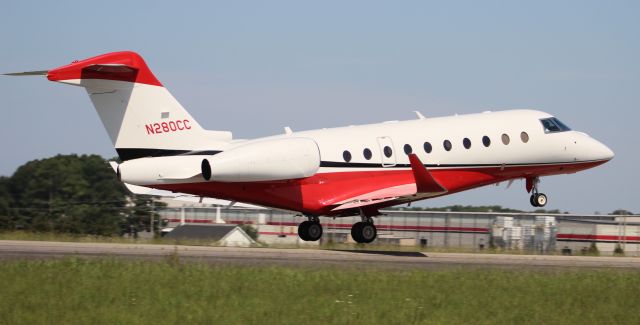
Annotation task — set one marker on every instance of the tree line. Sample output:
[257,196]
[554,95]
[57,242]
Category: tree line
[71,194]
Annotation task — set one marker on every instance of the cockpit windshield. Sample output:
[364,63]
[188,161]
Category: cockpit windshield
[552,125]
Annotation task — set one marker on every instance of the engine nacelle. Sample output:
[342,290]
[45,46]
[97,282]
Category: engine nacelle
[160,170]
[268,160]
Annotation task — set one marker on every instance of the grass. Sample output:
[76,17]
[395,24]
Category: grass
[111,291]
[82,238]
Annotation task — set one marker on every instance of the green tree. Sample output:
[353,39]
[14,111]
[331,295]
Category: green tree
[5,204]
[250,230]
[67,193]
[621,212]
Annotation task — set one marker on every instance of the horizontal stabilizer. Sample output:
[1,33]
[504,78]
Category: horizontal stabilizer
[28,73]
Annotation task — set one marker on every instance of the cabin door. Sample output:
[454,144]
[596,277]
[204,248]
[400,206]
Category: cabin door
[387,151]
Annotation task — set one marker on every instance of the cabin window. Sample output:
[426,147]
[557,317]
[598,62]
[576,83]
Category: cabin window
[346,155]
[505,139]
[387,151]
[524,137]
[407,149]
[367,154]
[427,147]
[466,143]
[447,145]
[552,125]
[486,141]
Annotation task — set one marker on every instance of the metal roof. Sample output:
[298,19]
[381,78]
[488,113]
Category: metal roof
[208,232]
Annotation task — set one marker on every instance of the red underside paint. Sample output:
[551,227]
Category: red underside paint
[319,194]
[91,68]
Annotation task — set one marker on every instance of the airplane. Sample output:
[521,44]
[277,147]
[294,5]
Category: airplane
[335,172]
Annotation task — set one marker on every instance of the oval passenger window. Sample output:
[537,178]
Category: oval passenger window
[346,155]
[447,145]
[505,139]
[367,153]
[388,152]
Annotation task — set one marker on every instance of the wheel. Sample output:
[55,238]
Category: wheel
[532,200]
[363,232]
[541,200]
[314,231]
[310,230]
[369,232]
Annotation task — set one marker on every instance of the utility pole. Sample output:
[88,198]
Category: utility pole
[151,221]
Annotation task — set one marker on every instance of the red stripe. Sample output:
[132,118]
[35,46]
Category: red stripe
[590,237]
[192,220]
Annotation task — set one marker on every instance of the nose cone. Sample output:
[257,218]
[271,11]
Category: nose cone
[600,152]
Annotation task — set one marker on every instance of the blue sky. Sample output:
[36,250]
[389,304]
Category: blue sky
[254,67]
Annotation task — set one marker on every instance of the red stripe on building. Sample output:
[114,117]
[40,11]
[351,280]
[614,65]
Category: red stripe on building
[591,237]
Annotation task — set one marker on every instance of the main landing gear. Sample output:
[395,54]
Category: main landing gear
[310,230]
[364,231]
[536,199]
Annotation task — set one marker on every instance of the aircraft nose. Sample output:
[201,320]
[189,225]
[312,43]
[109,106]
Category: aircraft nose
[601,151]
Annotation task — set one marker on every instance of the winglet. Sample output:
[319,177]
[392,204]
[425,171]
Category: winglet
[425,183]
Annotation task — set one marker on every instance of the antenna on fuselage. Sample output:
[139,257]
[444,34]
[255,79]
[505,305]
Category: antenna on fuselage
[420,116]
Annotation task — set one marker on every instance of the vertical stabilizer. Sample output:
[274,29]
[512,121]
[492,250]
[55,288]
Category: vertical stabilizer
[141,117]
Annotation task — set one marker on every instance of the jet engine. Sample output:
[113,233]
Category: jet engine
[267,160]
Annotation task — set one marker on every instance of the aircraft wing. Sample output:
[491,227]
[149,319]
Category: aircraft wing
[143,190]
[375,197]
[425,185]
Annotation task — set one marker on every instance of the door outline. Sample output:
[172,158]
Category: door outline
[385,141]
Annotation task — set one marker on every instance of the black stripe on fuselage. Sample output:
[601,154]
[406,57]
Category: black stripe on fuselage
[338,164]
[134,153]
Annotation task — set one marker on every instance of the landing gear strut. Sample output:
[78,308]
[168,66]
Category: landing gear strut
[536,199]
[364,231]
[310,230]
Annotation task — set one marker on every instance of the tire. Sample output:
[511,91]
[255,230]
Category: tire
[541,199]
[532,200]
[364,232]
[303,230]
[314,231]
[356,232]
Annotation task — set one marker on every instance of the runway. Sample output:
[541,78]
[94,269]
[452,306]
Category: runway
[303,257]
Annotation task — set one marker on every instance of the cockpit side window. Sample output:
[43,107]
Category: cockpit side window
[553,125]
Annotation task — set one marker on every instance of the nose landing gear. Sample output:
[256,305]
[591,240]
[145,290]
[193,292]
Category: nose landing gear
[537,199]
